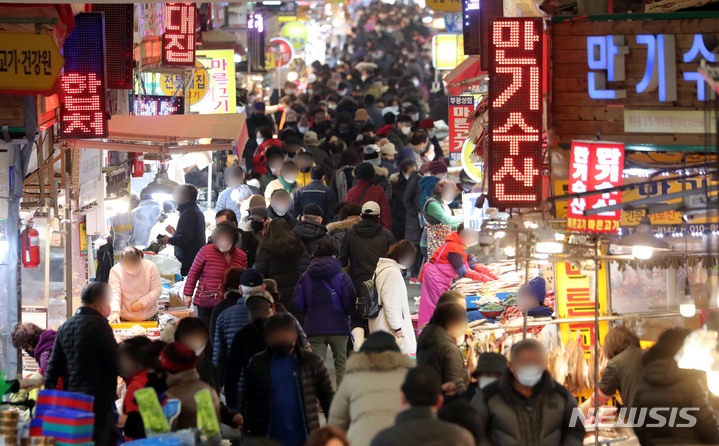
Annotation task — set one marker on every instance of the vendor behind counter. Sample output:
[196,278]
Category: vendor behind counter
[136,288]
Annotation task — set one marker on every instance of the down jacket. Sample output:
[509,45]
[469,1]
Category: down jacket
[43,349]
[310,234]
[362,247]
[313,380]
[366,191]
[509,419]
[85,356]
[326,296]
[208,271]
[370,396]
[437,349]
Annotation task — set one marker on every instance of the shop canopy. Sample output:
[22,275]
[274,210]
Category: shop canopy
[465,75]
[171,134]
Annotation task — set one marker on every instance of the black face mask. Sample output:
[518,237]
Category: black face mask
[257,226]
[291,154]
[282,348]
[305,169]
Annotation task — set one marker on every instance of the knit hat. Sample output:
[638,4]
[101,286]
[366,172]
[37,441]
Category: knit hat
[311,138]
[259,211]
[437,167]
[364,171]
[379,342]
[371,154]
[313,209]
[251,278]
[177,357]
[389,110]
[271,286]
[490,362]
[259,106]
[370,208]
[388,149]
[536,288]
[361,115]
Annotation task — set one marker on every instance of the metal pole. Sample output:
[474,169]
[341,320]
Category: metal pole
[526,280]
[68,246]
[597,266]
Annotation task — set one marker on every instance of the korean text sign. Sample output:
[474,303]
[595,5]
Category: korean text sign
[515,112]
[220,68]
[460,107]
[594,166]
[178,41]
[83,111]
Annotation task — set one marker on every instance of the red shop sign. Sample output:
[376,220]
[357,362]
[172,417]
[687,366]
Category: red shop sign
[460,107]
[515,112]
[285,51]
[593,166]
[178,41]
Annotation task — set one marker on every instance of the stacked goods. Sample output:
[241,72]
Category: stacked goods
[66,416]
[8,426]
[38,441]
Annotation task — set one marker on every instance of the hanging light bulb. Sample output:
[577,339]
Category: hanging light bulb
[509,251]
[642,252]
[643,241]
[687,307]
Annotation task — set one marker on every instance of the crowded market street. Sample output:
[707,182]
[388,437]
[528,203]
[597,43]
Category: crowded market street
[359,223]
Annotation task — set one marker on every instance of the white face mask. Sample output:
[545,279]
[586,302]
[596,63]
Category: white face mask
[289,179]
[415,82]
[260,141]
[303,129]
[529,376]
[406,130]
[415,117]
[280,210]
[395,109]
[484,381]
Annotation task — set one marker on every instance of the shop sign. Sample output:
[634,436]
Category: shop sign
[171,84]
[515,112]
[221,97]
[270,62]
[472,163]
[152,105]
[665,222]
[594,166]
[445,5]
[287,12]
[29,62]
[447,51]
[473,216]
[668,121]
[575,293]
[178,41]
[453,23]
[284,52]
[84,88]
[471,27]
[82,237]
[460,107]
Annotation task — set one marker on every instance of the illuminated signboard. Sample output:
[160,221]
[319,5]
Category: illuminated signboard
[595,166]
[256,42]
[150,105]
[471,27]
[515,112]
[460,107]
[178,41]
[84,87]
[119,21]
[220,69]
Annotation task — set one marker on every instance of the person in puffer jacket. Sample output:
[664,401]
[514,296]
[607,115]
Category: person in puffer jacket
[326,296]
[209,268]
[310,231]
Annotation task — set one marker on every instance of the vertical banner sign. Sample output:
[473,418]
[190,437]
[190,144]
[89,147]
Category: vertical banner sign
[84,86]
[594,166]
[471,27]
[256,42]
[119,20]
[515,112]
[178,41]
[460,107]
[220,67]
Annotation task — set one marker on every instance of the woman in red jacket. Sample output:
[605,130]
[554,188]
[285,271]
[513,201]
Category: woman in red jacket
[209,268]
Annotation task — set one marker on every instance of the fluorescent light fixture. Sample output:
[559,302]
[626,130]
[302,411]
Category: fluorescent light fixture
[549,247]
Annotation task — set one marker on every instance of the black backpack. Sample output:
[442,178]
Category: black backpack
[367,304]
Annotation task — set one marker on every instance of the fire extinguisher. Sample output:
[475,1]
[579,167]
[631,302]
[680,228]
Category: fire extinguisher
[30,241]
[138,164]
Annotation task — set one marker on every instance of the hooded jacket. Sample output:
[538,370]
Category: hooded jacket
[208,271]
[362,247]
[437,349]
[508,418]
[259,159]
[370,396]
[310,233]
[189,235]
[43,349]
[426,189]
[366,191]
[662,385]
[325,295]
[338,229]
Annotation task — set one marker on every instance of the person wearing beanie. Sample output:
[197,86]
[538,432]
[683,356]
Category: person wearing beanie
[183,382]
[369,398]
[366,190]
[371,154]
[428,126]
[530,298]
[316,193]
[361,118]
[320,153]
[387,152]
[437,170]
[311,231]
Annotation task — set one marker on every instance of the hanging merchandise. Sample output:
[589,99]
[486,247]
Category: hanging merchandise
[138,164]
[30,246]
[295,32]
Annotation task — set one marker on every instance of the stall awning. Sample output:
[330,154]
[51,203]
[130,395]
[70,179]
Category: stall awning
[465,75]
[171,134]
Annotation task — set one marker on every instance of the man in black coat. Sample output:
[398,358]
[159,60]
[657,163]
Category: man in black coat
[189,236]
[85,357]
[400,181]
[310,231]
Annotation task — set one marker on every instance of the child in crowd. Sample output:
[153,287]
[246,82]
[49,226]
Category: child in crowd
[135,375]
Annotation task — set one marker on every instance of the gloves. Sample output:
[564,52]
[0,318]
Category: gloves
[484,270]
[473,275]
[137,306]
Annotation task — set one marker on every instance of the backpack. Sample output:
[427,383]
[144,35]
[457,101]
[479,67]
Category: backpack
[367,304]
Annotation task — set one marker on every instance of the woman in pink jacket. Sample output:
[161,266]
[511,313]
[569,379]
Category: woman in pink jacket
[209,268]
[136,287]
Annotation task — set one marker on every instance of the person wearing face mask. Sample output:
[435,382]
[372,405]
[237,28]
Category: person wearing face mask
[285,181]
[85,356]
[136,287]
[259,218]
[38,344]
[403,132]
[399,181]
[344,128]
[413,113]
[189,235]
[439,218]
[237,191]
[275,161]
[209,268]
[394,316]
[438,345]
[279,208]
[304,163]
[260,158]
[320,124]
[428,126]
[415,148]
[447,263]
[526,406]
[285,380]
[490,366]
